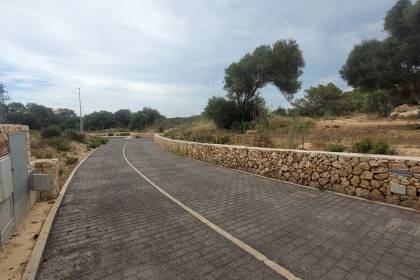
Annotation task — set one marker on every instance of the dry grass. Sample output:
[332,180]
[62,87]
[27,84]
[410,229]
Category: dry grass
[282,132]
[41,148]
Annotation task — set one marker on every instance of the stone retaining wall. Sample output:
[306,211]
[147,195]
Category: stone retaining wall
[391,179]
[146,135]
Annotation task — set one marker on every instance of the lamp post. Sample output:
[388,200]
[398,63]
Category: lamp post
[80,114]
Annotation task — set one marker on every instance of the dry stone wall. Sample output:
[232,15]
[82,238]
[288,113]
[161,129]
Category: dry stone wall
[391,179]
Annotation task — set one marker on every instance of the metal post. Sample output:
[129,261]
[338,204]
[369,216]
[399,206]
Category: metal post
[80,113]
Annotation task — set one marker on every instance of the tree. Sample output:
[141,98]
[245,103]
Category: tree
[322,100]
[394,63]
[26,118]
[145,118]
[280,64]
[123,117]
[137,121]
[44,114]
[223,112]
[99,120]
[64,114]
[16,107]
[151,116]
[71,123]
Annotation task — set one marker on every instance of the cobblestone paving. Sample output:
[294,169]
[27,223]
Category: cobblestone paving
[113,225]
[316,235]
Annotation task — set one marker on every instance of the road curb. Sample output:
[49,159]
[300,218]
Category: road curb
[36,255]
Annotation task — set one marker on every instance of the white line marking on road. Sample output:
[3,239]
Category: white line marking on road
[255,253]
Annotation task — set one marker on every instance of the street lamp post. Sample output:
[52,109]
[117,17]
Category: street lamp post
[80,114]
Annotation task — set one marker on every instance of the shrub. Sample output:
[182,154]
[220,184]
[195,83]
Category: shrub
[222,139]
[74,135]
[338,148]
[364,146]
[60,144]
[383,148]
[124,134]
[367,145]
[171,133]
[223,112]
[96,142]
[110,134]
[51,131]
[71,160]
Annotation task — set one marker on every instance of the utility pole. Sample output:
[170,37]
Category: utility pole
[3,97]
[80,113]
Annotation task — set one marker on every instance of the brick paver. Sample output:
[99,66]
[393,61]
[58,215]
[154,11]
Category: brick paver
[315,234]
[112,224]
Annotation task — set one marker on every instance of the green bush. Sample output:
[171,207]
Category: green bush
[110,134]
[338,148]
[63,146]
[367,145]
[96,142]
[74,135]
[71,160]
[60,144]
[51,131]
[364,146]
[171,133]
[383,148]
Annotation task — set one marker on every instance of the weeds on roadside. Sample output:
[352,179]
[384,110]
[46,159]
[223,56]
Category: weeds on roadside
[71,160]
[96,142]
[338,148]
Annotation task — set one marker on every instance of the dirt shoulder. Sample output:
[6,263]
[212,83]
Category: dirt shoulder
[16,253]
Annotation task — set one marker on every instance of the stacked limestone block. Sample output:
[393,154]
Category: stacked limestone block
[366,176]
[48,166]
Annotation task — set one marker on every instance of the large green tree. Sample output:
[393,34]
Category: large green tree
[280,65]
[122,117]
[99,120]
[394,63]
[322,100]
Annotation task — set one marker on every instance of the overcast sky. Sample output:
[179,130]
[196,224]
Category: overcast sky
[169,55]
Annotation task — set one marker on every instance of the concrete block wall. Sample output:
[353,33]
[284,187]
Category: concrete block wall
[391,179]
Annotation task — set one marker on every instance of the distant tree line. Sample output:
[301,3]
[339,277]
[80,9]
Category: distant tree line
[38,116]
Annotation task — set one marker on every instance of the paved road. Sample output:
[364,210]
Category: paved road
[113,224]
